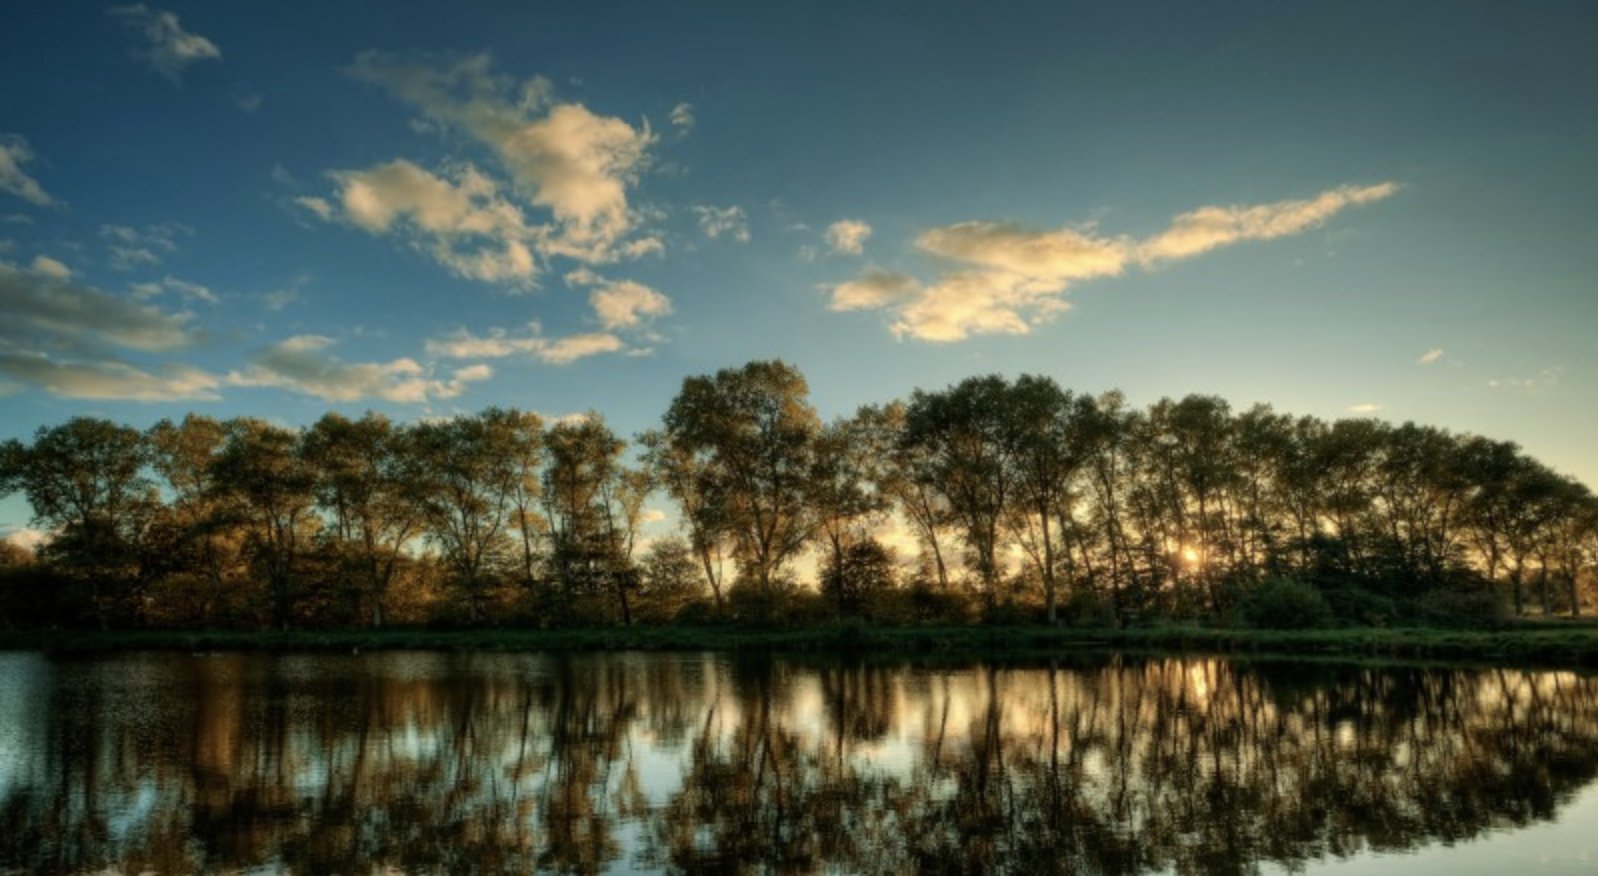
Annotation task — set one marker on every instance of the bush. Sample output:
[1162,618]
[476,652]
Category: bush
[1088,608]
[1356,605]
[1284,604]
[1477,605]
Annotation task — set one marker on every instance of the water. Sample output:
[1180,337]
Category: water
[448,763]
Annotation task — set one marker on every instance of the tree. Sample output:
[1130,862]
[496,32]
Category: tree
[594,505]
[368,479]
[961,445]
[851,578]
[263,475]
[86,482]
[470,479]
[669,580]
[691,482]
[751,432]
[184,454]
[1046,453]
[842,489]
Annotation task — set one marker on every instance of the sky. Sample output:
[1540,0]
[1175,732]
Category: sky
[279,210]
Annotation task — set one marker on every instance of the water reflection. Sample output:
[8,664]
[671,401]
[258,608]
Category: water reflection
[427,763]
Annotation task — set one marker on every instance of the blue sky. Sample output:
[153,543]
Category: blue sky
[282,209]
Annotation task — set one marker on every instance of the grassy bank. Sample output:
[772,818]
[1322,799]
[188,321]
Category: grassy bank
[1563,646]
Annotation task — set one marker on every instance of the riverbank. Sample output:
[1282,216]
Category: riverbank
[1575,646]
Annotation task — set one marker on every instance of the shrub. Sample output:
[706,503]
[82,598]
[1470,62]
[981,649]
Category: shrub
[1086,607]
[1476,604]
[1284,604]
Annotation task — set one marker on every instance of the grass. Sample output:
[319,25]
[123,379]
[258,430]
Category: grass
[1572,646]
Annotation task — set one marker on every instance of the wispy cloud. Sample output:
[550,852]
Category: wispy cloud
[730,222]
[1206,228]
[170,285]
[45,308]
[302,364]
[14,153]
[1431,357]
[130,248]
[1546,379]
[532,343]
[848,236]
[1005,278]
[67,338]
[682,118]
[1365,408]
[163,43]
[107,379]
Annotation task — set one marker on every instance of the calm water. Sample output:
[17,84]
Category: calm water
[441,763]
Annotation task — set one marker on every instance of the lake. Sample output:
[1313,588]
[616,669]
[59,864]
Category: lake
[706,763]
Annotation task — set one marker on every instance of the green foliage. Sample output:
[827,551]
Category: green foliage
[853,584]
[1471,604]
[1088,608]
[1026,503]
[1285,604]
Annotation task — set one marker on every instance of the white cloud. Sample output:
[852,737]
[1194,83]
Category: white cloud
[462,223]
[874,289]
[626,304]
[563,157]
[1431,357]
[48,267]
[14,153]
[978,302]
[848,236]
[301,364]
[107,379]
[1364,408]
[499,343]
[718,221]
[1005,279]
[682,117]
[42,307]
[1057,256]
[165,46]
[1206,228]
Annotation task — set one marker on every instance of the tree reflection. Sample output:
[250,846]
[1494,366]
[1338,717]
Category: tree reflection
[425,763]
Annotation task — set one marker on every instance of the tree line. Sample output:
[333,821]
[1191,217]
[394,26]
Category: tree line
[992,499]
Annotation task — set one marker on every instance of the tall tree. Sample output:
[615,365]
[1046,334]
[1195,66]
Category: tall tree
[753,431]
[263,474]
[185,454]
[87,484]
[470,483]
[595,506]
[1046,453]
[842,491]
[689,478]
[961,442]
[368,479]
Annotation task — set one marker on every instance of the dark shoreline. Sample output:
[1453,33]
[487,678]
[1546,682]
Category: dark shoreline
[1573,646]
